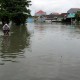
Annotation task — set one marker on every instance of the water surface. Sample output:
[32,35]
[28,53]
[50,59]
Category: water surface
[40,52]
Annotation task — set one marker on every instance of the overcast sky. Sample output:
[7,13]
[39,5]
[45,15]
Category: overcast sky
[50,6]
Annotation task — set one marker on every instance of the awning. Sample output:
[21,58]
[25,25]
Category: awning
[71,15]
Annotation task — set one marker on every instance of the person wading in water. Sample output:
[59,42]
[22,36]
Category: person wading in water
[6,29]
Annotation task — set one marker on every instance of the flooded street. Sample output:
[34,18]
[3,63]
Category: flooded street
[40,52]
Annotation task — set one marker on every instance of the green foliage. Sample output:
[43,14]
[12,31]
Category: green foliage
[15,10]
[77,16]
[19,18]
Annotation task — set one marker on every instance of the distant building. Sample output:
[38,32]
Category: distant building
[73,10]
[40,13]
[70,15]
[55,17]
[40,16]
[63,15]
[52,16]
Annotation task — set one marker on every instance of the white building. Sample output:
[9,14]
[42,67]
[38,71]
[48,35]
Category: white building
[40,16]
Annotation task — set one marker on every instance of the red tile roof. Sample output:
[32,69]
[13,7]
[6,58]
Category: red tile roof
[40,12]
[64,14]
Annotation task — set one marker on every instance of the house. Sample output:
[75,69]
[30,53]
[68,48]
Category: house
[40,16]
[40,13]
[73,10]
[71,14]
[54,17]
[63,15]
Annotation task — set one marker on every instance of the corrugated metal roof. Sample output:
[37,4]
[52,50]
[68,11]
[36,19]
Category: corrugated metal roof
[73,10]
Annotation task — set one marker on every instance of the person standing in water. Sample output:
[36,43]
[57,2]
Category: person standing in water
[6,29]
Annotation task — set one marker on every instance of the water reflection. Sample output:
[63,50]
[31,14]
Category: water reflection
[71,31]
[13,46]
[53,57]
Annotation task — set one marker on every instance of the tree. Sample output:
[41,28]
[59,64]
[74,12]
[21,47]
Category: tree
[77,16]
[15,10]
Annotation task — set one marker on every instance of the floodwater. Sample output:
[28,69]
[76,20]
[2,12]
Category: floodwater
[40,52]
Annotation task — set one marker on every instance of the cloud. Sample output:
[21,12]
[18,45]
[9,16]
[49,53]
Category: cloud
[53,5]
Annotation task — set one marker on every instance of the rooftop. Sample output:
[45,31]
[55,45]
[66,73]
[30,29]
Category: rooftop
[40,12]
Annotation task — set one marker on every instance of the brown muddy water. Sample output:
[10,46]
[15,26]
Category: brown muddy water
[40,52]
